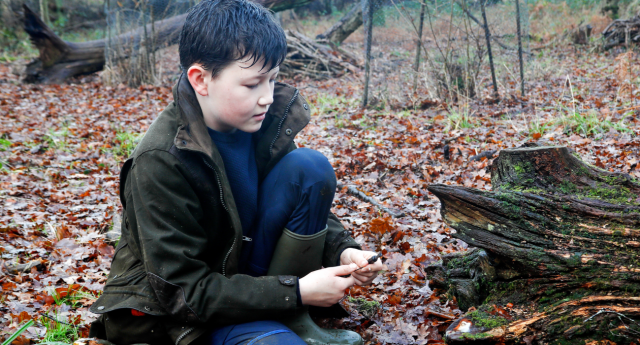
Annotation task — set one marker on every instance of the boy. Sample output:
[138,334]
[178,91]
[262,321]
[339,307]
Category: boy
[226,224]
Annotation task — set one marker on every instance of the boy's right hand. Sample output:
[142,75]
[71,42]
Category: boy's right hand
[325,287]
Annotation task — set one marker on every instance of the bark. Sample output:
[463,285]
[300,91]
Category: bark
[556,237]
[347,25]
[520,59]
[416,65]
[60,59]
[367,14]
[487,35]
[344,27]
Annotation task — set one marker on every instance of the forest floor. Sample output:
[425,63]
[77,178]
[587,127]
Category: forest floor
[62,146]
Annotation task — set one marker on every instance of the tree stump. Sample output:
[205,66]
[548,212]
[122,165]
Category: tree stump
[557,257]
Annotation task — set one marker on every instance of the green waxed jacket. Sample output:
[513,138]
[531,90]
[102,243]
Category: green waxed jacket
[177,260]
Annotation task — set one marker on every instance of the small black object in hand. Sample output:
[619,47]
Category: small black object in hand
[371,260]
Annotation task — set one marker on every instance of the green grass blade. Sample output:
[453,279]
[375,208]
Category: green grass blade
[18,332]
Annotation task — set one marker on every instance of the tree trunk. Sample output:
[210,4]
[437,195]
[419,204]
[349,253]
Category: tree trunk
[347,25]
[344,27]
[367,13]
[520,58]
[557,252]
[416,65]
[487,36]
[60,59]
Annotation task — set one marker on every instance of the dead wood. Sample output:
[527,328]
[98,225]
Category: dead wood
[22,268]
[559,239]
[362,196]
[59,59]
[581,34]
[621,31]
[309,58]
[344,27]
[486,154]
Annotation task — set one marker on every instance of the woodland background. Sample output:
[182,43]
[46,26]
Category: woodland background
[62,145]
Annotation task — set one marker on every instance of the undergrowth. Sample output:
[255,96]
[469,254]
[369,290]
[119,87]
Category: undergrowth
[125,143]
[57,330]
[589,123]
[459,118]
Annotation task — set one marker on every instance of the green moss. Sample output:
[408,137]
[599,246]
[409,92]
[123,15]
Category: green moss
[568,188]
[614,194]
[476,336]
[481,318]
[365,307]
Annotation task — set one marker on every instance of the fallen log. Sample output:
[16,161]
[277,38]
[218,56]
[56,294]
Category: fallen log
[621,31]
[558,252]
[344,27]
[59,59]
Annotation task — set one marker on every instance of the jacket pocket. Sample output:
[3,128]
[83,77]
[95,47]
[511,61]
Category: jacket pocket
[122,328]
[128,287]
[130,277]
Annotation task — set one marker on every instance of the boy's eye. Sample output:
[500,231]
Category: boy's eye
[252,86]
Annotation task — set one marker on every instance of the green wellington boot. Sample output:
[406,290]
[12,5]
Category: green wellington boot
[299,255]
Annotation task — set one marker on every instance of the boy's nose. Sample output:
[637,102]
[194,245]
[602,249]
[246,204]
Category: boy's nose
[266,99]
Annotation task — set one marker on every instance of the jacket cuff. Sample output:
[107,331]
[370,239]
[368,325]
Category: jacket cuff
[341,242]
[298,292]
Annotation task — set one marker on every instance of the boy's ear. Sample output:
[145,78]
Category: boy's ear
[198,79]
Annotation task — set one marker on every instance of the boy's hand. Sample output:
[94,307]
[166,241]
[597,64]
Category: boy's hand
[325,287]
[368,272]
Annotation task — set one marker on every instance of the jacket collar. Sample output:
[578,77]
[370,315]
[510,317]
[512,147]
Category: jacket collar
[286,117]
[192,134]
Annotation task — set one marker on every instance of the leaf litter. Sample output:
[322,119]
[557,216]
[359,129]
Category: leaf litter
[62,146]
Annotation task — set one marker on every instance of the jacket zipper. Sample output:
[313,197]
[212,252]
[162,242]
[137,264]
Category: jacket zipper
[284,116]
[226,257]
[219,184]
[184,335]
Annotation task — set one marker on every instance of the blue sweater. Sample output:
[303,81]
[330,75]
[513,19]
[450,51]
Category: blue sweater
[238,154]
[239,157]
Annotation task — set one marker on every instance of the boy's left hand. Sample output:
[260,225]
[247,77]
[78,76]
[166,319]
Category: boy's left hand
[369,271]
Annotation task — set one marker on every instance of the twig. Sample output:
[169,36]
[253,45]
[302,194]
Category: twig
[58,321]
[489,154]
[607,310]
[360,195]
[552,42]
[493,37]
[17,269]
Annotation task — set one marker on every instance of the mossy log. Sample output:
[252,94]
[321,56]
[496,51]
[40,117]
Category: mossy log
[557,252]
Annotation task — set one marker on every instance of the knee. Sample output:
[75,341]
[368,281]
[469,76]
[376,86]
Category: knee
[311,164]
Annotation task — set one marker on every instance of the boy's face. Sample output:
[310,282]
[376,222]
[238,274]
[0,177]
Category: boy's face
[237,98]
